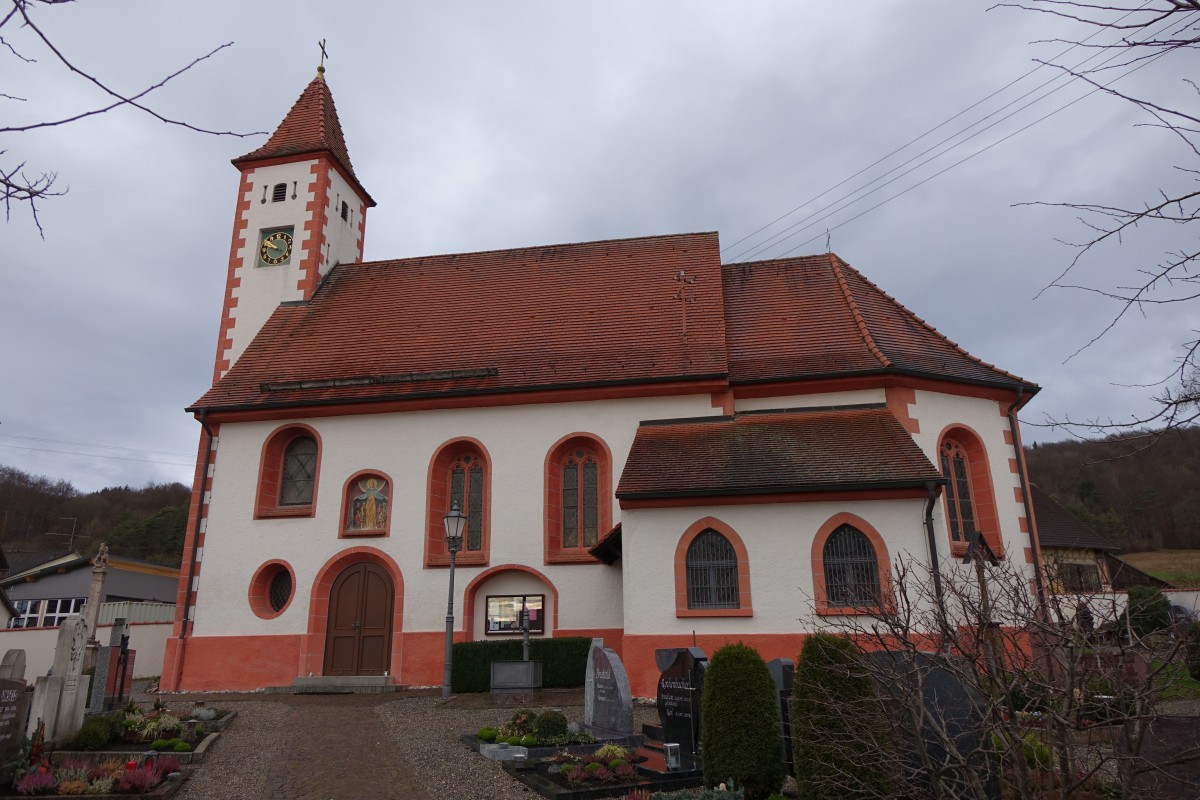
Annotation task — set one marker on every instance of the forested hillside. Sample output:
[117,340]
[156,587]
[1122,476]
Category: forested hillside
[1140,498]
[39,514]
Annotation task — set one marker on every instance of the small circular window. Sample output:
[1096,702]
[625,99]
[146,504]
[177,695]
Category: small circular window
[271,589]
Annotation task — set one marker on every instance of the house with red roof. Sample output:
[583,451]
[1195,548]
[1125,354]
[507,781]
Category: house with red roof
[647,445]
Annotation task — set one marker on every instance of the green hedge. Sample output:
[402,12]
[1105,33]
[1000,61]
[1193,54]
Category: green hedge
[564,661]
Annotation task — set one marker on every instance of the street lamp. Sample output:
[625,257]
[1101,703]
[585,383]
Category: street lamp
[455,521]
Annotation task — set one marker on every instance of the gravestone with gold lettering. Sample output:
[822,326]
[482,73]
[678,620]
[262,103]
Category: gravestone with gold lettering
[679,688]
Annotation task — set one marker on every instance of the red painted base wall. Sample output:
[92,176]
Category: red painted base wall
[637,652]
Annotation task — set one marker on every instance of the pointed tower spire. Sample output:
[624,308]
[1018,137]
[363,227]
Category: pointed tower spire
[301,211]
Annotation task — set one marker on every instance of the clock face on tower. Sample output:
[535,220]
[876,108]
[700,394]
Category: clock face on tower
[275,246]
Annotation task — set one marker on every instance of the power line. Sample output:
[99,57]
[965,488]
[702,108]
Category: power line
[88,444]
[770,242]
[94,455]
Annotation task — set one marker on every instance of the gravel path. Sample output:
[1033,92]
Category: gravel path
[372,747]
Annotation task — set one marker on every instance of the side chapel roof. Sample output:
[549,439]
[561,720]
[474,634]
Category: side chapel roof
[771,452]
[311,126]
[1059,528]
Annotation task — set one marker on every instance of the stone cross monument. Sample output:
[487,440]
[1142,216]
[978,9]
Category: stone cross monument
[91,611]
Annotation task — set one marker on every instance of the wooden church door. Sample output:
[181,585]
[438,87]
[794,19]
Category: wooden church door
[358,640]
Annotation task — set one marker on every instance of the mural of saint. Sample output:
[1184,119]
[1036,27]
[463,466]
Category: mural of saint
[368,511]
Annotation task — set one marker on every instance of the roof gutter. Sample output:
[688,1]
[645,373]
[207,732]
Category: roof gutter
[1026,497]
[935,568]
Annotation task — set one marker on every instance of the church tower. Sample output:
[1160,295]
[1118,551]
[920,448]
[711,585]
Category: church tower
[301,210]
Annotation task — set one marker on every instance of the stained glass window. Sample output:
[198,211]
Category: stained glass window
[580,500]
[961,510]
[299,472]
[466,489]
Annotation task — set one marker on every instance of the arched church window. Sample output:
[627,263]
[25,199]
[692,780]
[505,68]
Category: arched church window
[851,569]
[712,572]
[299,472]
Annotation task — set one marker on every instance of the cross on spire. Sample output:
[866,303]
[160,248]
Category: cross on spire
[324,55]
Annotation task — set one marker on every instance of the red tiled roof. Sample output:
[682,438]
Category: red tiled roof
[508,320]
[862,447]
[311,126]
[816,316]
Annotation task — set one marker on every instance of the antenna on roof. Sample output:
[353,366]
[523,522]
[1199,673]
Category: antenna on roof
[324,55]
[828,249]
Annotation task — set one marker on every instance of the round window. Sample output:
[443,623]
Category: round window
[280,590]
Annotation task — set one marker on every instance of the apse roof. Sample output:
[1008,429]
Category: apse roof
[773,452]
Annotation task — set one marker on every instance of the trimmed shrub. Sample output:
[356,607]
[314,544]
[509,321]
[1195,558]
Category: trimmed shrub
[739,713]
[1191,651]
[552,723]
[488,734]
[839,736]
[96,732]
[564,661]
[1149,611]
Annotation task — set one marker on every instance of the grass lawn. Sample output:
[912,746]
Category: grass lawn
[1180,568]
[1176,683]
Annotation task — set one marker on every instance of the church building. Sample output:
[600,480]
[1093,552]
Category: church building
[647,445]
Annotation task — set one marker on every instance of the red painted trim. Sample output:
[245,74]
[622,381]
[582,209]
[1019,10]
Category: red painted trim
[314,155]
[232,280]
[882,562]
[316,216]
[270,472]
[352,481]
[437,504]
[468,615]
[900,401]
[785,497]
[236,663]
[860,382]
[553,551]
[311,659]
[197,510]
[983,496]
[514,398]
[724,401]
[745,607]
[260,588]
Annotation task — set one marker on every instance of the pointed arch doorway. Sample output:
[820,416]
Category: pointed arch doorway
[358,640]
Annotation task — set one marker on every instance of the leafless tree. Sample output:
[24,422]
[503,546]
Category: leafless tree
[986,689]
[1134,34]
[22,40]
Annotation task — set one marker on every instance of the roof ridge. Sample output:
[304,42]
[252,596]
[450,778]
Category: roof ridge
[526,248]
[905,309]
[856,312]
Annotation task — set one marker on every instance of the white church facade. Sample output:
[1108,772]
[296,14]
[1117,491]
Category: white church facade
[649,446]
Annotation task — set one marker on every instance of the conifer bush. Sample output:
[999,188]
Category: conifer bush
[839,736]
[740,723]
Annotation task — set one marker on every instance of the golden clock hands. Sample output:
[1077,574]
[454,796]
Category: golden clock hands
[271,244]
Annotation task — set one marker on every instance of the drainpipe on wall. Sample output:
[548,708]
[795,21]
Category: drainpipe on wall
[934,560]
[191,575]
[1025,497]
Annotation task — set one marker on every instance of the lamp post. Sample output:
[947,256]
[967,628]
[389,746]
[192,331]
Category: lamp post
[455,521]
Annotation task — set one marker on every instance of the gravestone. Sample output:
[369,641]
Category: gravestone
[59,698]
[782,671]
[607,699]
[679,688]
[13,666]
[14,706]
[954,726]
[113,679]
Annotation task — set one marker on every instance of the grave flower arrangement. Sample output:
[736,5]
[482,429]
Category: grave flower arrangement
[110,776]
[528,729]
[610,763]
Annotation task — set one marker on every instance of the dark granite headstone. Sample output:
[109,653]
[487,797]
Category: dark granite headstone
[607,699]
[14,707]
[679,688]
[951,707]
[782,671]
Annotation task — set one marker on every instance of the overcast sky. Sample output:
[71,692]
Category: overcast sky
[483,125]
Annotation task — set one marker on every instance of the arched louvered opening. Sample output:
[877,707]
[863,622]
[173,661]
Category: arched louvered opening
[279,193]
[712,572]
